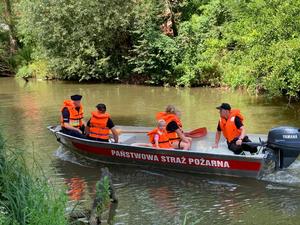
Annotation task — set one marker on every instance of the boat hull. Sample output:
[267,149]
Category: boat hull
[176,160]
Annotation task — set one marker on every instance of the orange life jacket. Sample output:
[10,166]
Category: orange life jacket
[163,140]
[76,117]
[230,131]
[98,128]
[169,117]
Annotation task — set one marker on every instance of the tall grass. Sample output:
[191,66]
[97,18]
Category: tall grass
[26,195]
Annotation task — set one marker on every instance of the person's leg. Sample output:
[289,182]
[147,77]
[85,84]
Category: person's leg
[98,139]
[189,142]
[248,148]
[237,149]
[180,145]
[73,133]
[82,128]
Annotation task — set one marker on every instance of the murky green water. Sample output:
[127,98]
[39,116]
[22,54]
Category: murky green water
[151,197]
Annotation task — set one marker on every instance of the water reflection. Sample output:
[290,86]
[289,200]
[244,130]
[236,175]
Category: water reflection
[76,188]
[155,197]
[167,197]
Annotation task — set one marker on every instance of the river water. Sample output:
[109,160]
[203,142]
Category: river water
[152,197]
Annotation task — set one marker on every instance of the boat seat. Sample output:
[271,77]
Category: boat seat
[141,144]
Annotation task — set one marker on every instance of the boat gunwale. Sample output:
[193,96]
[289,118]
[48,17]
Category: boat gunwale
[259,157]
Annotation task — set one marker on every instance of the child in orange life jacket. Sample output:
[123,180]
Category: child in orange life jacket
[158,137]
[174,128]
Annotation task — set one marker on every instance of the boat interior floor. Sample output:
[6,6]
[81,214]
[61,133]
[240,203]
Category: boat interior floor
[203,144]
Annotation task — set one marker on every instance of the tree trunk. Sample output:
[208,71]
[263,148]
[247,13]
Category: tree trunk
[11,31]
[172,18]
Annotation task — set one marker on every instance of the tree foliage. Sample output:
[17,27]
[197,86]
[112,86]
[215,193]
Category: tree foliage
[81,39]
[246,43]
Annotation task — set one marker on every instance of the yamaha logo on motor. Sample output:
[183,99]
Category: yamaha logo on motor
[290,136]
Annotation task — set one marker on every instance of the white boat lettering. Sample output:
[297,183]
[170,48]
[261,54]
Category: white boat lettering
[134,155]
[213,163]
[208,162]
[172,159]
[226,164]
[202,162]
[155,158]
[137,155]
[219,163]
[149,157]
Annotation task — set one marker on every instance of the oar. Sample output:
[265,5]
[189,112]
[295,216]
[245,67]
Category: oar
[120,131]
[197,133]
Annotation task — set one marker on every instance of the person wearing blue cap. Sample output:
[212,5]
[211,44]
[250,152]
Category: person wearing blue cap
[72,117]
[232,127]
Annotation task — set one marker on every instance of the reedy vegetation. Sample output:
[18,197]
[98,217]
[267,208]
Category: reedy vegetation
[248,43]
[26,196]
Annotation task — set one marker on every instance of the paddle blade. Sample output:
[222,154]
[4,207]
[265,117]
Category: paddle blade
[201,130]
[197,133]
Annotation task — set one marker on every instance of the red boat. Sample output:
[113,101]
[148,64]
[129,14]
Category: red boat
[279,151]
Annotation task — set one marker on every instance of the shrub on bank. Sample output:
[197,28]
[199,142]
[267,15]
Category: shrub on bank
[26,196]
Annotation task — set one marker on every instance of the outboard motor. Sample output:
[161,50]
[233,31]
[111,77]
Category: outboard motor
[285,142]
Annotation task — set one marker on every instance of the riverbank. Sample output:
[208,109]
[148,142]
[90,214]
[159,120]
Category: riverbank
[27,196]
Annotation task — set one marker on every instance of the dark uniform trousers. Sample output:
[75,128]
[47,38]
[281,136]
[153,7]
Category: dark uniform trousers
[237,149]
[74,133]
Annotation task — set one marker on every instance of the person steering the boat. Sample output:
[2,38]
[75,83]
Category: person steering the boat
[100,123]
[174,128]
[72,117]
[158,137]
[233,129]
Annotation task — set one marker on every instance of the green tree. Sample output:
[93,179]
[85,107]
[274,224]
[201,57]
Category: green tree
[81,39]
[153,55]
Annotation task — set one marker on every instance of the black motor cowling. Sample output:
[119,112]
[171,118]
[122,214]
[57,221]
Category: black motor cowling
[285,141]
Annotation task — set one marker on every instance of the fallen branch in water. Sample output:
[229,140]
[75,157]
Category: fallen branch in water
[105,193]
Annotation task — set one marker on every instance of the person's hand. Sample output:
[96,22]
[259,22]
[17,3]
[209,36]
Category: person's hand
[239,142]
[215,145]
[79,131]
[186,140]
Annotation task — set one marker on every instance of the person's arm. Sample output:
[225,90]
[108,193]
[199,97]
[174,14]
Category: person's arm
[156,138]
[115,134]
[217,139]
[173,127]
[217,136]
[87,127]
[181,135]
[110,124]
[69,127]
[241,137]
[66,120]
[239,124]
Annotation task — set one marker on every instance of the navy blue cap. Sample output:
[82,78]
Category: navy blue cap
[76,97]
[225,106]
